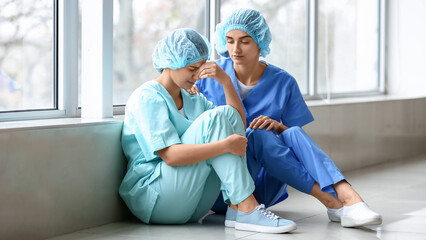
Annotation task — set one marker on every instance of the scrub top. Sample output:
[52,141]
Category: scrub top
[152,122]
[276,95]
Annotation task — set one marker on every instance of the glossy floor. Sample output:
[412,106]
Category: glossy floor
[397,190]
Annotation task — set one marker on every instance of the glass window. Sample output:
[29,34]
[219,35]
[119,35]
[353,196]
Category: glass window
[348,46]
[287,20]
[138,26]
[27,81]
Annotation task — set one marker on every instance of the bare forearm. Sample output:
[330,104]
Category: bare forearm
[185,154]
[233,100]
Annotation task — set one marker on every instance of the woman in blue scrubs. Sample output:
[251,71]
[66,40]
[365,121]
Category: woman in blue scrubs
[279,152]
[182,150]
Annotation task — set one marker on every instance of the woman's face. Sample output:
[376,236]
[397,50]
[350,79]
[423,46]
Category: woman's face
[187,76]
[241,47]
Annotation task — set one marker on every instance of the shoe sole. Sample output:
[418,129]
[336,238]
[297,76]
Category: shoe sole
[230,223]
[264,229]
[333,217]
[349,222]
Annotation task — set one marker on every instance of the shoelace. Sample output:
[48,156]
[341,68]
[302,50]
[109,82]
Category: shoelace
[266,213]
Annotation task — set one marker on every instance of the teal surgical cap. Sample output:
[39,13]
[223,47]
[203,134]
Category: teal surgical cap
[249,21]
[179,49]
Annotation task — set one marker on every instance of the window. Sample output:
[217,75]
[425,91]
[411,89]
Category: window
[288,25]
[348,46]
[27,55]
[331,47]
[138,26]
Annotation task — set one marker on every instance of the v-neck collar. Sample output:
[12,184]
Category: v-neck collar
[186,102]
[235,82]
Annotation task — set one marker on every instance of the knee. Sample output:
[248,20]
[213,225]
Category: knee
[232,116]
[293,130]
[259,133]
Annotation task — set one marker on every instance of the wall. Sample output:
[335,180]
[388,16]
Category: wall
[357,135]
[58,180]
[55,180]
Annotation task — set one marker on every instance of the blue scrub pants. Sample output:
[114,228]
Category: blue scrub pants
[291,158]
[186,193]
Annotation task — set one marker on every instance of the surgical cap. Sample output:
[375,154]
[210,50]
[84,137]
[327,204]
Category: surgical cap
[180,48]
[249,21]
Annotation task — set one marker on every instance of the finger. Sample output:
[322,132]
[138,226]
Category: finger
[270,127]
[195,89]
[258,123]
[264,124]
[254,122]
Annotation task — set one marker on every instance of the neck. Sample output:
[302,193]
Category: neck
[166,81]
[250,73]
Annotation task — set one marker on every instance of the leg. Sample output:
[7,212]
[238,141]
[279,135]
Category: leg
[270,152]
[316,162]
[354,212]
[191,185]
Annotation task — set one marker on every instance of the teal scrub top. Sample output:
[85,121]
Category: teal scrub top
[152,122]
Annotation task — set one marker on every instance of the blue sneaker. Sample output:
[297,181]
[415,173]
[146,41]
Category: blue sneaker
[264,221]
[231,216]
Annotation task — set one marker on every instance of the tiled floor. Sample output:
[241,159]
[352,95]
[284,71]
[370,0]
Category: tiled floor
[397,190]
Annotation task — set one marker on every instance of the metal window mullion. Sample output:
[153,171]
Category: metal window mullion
[96,59]
[214,20]
[312,47]
[68,57]
[382,86]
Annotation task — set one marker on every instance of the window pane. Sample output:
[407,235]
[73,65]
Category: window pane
[26,55]
[287,21]
[138,26]
[347,46]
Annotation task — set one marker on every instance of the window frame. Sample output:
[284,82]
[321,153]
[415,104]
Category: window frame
[65,60]
[55,111]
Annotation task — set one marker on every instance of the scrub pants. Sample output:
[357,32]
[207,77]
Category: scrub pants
[291,158]
[186,193]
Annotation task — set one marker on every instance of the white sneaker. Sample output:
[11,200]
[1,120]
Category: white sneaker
[334,214]
[358,215]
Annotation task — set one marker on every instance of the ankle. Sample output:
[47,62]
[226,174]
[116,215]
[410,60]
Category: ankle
[248,205]
[233,207]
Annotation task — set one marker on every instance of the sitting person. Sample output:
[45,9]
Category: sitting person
[182,150]
[279,152]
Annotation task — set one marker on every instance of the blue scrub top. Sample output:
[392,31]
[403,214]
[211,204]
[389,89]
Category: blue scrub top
[152,122]
[276,95]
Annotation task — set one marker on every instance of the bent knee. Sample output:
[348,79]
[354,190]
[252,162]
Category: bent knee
[259,133]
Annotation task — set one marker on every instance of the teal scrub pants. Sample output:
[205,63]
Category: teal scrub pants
[186,193]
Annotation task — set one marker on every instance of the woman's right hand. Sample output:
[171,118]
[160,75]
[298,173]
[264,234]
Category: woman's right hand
[236,144]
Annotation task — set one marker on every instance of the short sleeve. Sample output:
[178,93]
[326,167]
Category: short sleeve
[206,103]
[154,130]
[295,111]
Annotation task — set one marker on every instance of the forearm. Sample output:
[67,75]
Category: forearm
[233,100]
[186,154]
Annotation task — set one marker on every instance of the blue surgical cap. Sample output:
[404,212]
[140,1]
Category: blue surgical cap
[249,21]
[180,48]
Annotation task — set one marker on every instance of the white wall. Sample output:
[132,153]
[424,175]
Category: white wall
[406,47]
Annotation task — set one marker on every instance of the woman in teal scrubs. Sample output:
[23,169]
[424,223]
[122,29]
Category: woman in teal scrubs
[279,152]
[182,150]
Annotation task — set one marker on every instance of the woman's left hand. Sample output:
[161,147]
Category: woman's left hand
[212,70]
[270,124]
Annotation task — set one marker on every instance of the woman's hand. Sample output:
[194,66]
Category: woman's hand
[236,144]
[212,70]
[194,90]
[270,124]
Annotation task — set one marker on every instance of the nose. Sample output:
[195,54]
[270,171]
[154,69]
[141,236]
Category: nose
[237,48]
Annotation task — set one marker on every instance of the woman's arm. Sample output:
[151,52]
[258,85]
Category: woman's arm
[212,70]
[185,154]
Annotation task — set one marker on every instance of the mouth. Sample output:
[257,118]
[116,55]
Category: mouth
[191,83]
[237,56]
